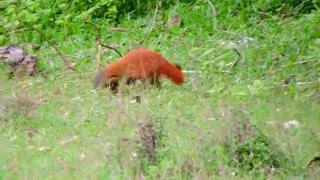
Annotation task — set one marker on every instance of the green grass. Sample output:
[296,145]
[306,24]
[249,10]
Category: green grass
[224,123]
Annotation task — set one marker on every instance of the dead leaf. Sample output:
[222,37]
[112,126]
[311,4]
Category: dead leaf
[12,54]
[68,141]
[31,132]
[220,171]
[44,149]
[137,99]
[82,156]
[118,29]
[291,124]
[314,164]
[30,63]
[15,56]
[174,20]
[289,79]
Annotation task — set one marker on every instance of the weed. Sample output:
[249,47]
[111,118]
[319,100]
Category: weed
[249,107]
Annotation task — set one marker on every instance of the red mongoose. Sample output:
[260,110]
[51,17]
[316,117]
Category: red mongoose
[138,64]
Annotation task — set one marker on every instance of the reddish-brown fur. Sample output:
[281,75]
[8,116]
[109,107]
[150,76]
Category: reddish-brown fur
[139,64]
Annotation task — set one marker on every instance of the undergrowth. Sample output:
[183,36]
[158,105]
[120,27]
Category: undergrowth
[248,109]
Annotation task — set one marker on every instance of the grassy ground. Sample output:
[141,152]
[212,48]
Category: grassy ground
[229,121]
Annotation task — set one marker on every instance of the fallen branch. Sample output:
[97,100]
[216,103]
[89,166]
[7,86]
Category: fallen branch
[106,46]
[238,60]
[99,42]
[66,62]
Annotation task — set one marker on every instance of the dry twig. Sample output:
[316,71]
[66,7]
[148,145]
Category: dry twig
[99,42]
[66,62]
